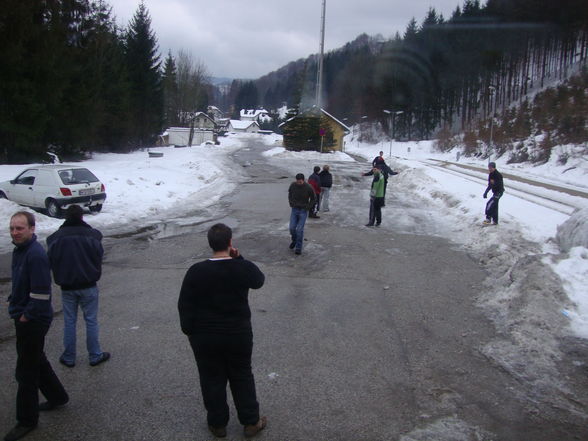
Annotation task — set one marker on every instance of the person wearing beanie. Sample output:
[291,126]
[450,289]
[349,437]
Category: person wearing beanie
[75,253]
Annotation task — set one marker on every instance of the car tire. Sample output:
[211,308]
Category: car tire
[2,195]
[53,209]
[96,208]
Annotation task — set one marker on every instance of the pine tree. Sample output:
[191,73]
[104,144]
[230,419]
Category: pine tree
[170,92]
[144,76]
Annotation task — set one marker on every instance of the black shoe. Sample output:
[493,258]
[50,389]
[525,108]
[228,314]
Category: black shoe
[292,245]
[378,224]
[298,252]
[51,405]
[66,363]
[219,432]
[103,357]
[18,432]
[369,225]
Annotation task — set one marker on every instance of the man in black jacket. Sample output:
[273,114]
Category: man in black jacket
[495,183]
[215,315]
[30,308]
[326,184]
[75,253]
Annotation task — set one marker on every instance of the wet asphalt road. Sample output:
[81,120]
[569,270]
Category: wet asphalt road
[370,334]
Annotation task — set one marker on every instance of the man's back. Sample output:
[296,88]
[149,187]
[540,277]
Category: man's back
[214,296]
[75,253]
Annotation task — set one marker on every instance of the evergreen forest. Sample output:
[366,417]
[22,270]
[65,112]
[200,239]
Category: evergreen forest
[488,77]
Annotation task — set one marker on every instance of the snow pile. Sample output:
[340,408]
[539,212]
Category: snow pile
[574,231]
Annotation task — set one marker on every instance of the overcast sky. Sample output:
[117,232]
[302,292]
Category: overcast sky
[247,39]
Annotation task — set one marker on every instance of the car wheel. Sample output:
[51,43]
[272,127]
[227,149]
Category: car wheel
[53,209]
[96,208]
[2,195]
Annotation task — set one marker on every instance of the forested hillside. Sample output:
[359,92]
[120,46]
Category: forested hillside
[72,81]
[450,75]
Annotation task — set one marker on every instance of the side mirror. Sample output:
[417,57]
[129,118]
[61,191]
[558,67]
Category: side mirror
[13,181]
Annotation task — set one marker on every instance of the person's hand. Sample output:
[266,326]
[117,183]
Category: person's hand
[23,319]
[485,195]
[234,252]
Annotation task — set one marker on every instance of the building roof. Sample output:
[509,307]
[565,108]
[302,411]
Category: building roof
[347,129]
[237,124]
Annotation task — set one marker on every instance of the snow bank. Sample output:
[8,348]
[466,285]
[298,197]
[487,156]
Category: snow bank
[574,231]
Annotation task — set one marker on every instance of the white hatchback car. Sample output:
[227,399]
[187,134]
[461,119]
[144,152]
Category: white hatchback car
[54,188]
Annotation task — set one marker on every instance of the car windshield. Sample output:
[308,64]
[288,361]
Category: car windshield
[76,176]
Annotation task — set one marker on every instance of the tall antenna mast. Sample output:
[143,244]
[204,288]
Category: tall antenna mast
[319,74]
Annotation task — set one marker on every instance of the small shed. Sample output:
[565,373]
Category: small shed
[180,136]
[314,130]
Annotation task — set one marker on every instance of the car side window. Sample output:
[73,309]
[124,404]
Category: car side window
[26,178]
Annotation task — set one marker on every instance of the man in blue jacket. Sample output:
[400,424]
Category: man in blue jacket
[30,308]
[75,253]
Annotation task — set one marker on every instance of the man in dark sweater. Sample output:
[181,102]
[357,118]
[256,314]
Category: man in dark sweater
[75,253]
[301,198]
[495,183]
[30,308]
[215,315]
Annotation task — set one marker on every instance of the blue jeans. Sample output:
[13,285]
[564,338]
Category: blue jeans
[297,220]
[88,300]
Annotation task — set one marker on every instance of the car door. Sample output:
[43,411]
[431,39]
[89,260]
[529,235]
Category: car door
[22,188]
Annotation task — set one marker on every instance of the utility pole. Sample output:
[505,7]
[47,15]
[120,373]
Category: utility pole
[319,73]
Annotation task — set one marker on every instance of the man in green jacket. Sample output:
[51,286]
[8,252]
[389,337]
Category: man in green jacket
[376,198]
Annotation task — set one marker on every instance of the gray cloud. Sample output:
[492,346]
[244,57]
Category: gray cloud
[247,39]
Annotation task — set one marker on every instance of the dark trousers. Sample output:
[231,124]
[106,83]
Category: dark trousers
[376,210]
[492,209]
[34,373]
[221,359]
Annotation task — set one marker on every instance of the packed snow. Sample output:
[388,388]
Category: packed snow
[142,191]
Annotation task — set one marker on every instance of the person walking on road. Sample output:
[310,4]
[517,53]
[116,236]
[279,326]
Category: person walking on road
[215,315]
[496,184]
[376,198]
[315,182]
[75,254]
[301,198]
[30,308]
[326,183]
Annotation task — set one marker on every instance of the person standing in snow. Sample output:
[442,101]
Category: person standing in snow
[215,315]
[380,163]
[495,183]
[315,182]
[376,198]
[326,183]
[301,198]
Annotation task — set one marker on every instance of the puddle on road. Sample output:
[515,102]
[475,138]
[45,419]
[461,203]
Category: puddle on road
[172,228]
